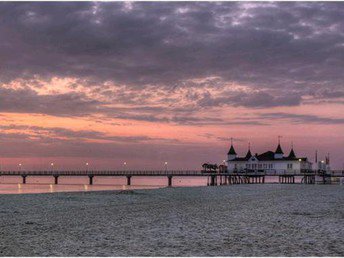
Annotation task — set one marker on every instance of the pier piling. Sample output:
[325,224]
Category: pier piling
[169,181]
[91,179]
[213,180]
[56,177]
[24,179]
[128,180]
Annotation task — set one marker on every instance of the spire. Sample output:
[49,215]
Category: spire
[231,150]
[279,149]
[249,154]
[292,154]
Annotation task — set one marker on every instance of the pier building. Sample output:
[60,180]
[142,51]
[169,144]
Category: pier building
[269,161]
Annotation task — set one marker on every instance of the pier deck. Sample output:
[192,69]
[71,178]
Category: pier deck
[214,178]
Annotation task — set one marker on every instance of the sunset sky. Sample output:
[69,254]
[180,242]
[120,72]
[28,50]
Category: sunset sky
[144,83]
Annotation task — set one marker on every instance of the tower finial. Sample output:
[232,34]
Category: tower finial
[249,146]
[279,139]
[231,140]
[292,145]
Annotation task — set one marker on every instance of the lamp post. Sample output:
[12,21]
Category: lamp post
[20,166]
[52,166]
[165,166]
[124,165]
[86,166]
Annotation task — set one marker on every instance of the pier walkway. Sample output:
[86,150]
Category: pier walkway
[213,178]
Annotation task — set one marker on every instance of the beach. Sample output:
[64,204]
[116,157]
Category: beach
[236,220]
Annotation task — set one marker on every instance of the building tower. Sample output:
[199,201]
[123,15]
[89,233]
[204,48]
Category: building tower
[249,154]
[231,153]
[278,153]
[292,153]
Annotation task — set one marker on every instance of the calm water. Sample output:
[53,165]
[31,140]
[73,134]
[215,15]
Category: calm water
[45,184]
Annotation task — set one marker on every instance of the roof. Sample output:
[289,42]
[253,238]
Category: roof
[292,154]
[231,151]
[269,156]
[249,154]
[279,149]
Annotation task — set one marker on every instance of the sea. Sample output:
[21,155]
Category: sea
[45,184]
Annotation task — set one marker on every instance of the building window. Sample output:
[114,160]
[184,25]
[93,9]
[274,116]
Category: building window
[290,166]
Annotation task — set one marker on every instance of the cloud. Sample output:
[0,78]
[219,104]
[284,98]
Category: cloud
[255,100]
[28,101]
[296,48]
[50,134]
[303,119]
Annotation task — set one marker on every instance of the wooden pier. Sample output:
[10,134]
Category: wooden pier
[213,179]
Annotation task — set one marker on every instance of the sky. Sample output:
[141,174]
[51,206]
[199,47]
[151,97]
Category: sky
[152,82]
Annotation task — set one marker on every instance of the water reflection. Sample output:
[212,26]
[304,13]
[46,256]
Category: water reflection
[41,184]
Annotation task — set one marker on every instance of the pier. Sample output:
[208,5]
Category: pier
[213,178]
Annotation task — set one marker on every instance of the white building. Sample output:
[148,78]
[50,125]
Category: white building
[268,161]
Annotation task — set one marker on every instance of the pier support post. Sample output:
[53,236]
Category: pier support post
[56,177]
[91,179]
[128,180]
[24,179]
[212,180]
[169,181]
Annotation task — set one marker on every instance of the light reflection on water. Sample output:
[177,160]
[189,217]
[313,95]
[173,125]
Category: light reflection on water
[45,184]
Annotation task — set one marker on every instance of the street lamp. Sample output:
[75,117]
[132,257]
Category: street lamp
[20,166]
[86,166]
[165,166]
[124,165]
[52,166]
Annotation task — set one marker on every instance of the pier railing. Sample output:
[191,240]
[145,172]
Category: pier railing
[157,173]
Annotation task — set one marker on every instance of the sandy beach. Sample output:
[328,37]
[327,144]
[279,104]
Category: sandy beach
[240,220]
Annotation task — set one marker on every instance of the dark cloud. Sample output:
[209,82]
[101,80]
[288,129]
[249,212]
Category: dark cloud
[49,135]
[303,119]
[254,99]
[28,101]
[296,48]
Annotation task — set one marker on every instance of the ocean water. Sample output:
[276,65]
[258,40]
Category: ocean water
[45,184]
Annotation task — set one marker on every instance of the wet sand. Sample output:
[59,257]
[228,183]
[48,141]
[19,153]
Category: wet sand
[237,220]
